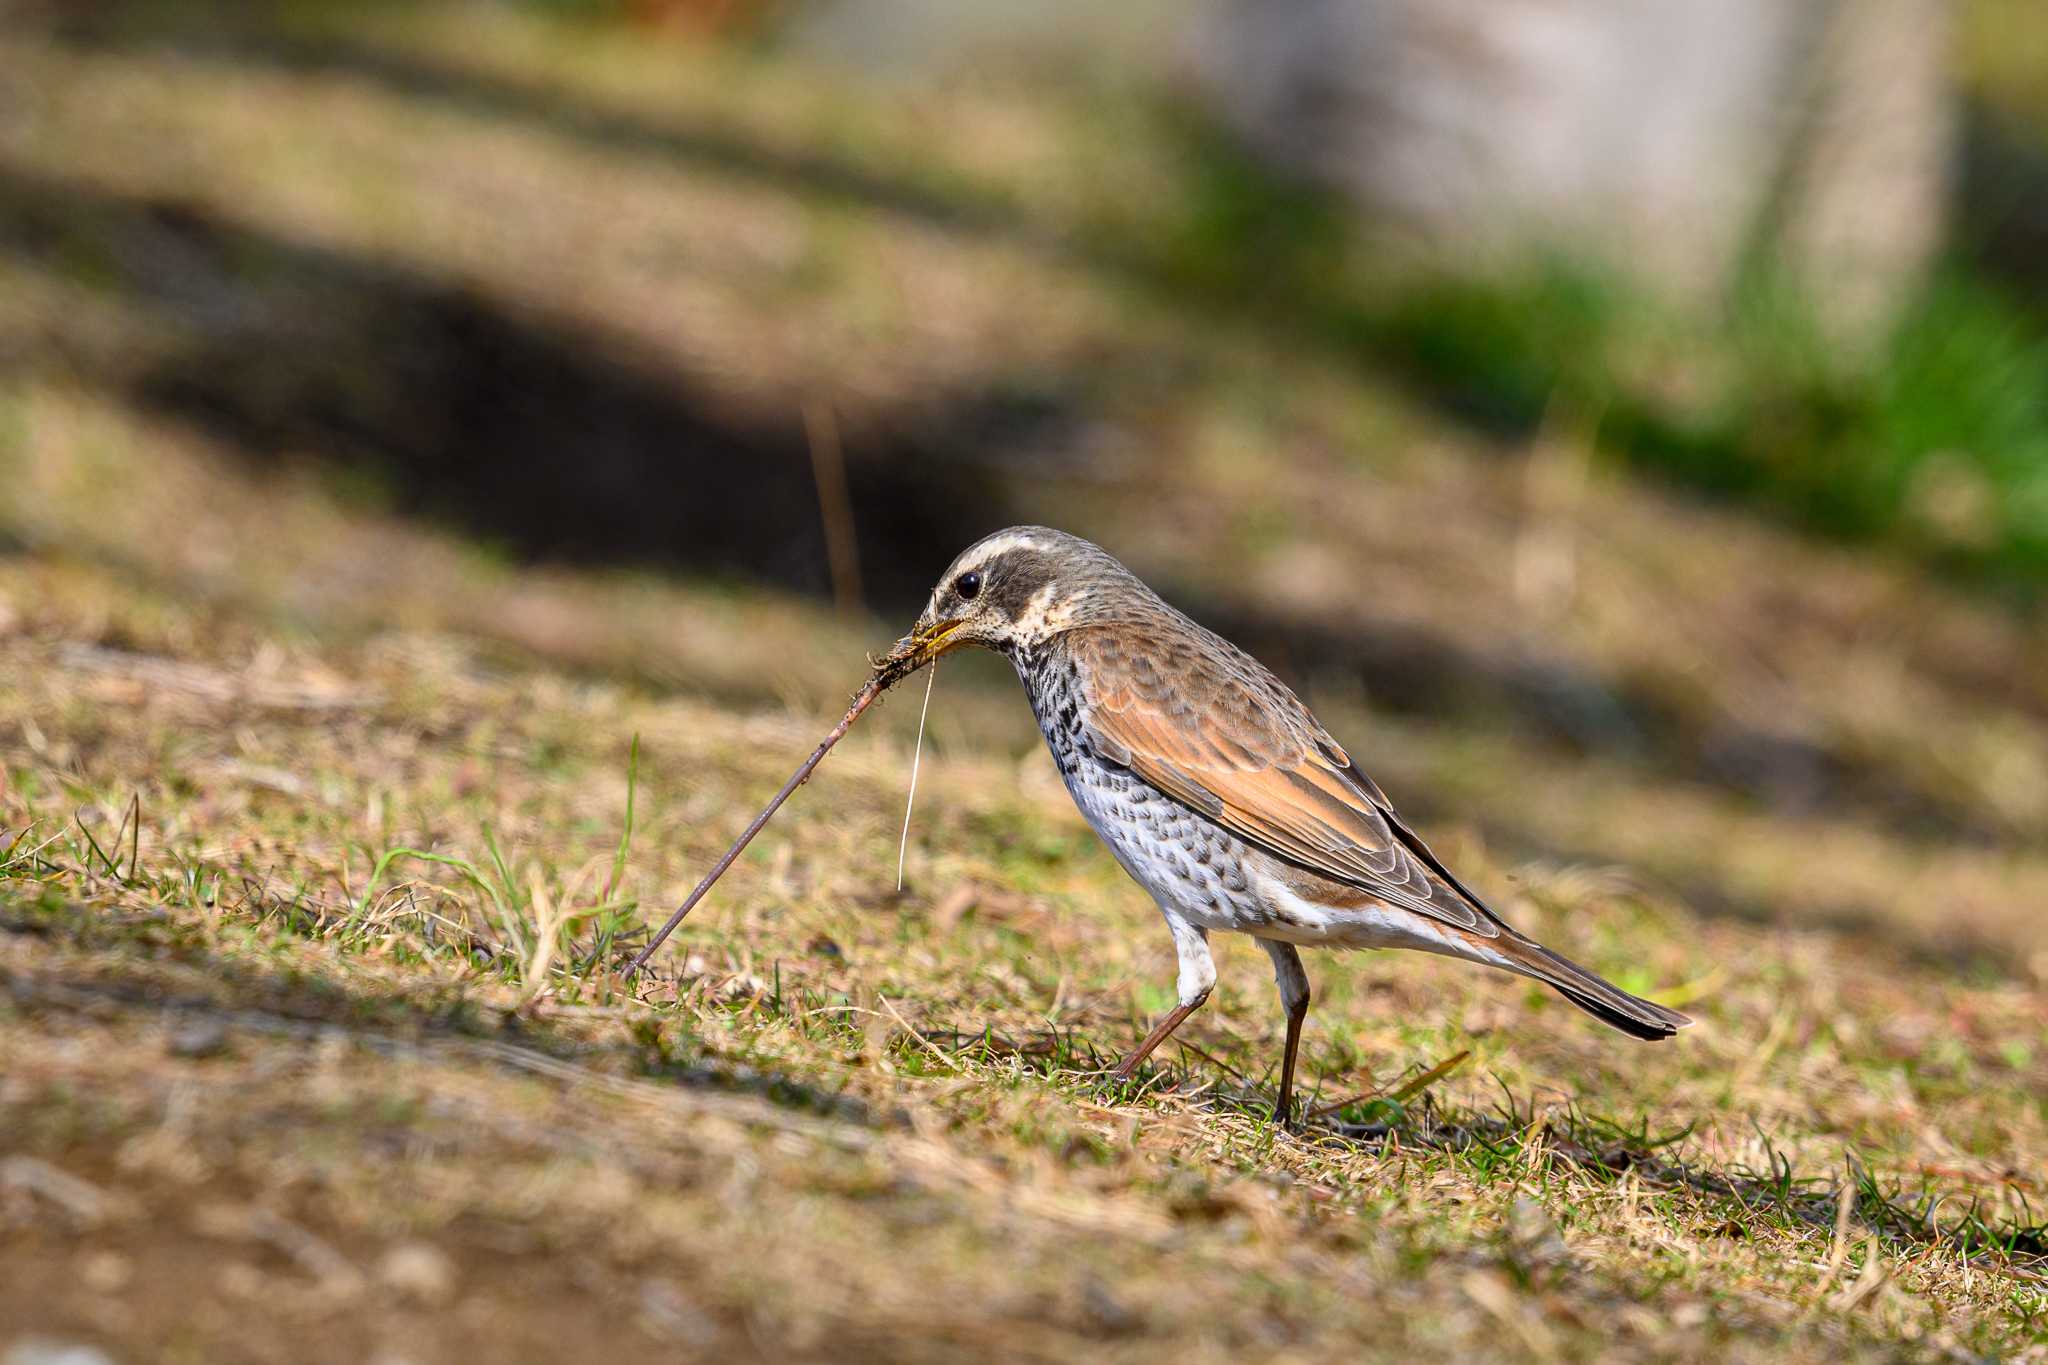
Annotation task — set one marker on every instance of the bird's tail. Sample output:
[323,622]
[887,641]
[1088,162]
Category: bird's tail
[1605,1001]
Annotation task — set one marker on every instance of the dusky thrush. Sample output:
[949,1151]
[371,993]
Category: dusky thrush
[1217,790]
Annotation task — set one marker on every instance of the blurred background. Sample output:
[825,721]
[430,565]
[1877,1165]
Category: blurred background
[1647,399]
[1625,421]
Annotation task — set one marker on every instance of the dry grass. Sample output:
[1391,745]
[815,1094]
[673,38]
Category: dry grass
[215,1015]
[270,1086]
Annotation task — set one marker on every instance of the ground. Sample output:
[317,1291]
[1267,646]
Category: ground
[406,449]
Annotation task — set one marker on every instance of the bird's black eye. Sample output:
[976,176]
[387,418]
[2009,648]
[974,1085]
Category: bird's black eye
[968,585]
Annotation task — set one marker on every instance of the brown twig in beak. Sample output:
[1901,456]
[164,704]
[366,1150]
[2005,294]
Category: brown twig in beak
[898,664]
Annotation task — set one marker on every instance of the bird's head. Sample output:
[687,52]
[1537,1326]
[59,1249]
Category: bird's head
[1011,591]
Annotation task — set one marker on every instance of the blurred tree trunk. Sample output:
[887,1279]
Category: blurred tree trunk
[1871,177]
[1663,136]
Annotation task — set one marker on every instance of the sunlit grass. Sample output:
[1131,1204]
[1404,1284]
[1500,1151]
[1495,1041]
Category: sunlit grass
[1684,1173]
[324,834]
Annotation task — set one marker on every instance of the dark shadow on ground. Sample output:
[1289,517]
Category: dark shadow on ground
[117,968]
[552,442]
[1598,1145]
[1248,250]
[246,996]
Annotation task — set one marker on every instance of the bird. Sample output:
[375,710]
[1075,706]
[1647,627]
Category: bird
[1217,790]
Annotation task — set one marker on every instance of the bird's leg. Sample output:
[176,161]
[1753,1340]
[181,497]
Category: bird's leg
[1293,983]
[1197,979]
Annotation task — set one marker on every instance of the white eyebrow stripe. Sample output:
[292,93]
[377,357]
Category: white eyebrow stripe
[1000,543]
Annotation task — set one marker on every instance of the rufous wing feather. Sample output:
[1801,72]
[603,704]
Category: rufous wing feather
[1205,723]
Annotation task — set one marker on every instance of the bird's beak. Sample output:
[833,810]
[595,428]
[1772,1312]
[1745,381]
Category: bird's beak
[927,640]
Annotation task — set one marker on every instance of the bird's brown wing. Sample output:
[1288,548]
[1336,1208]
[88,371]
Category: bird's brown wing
[1207,724]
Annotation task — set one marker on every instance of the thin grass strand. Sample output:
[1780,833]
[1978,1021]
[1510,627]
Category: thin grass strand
[916,757]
